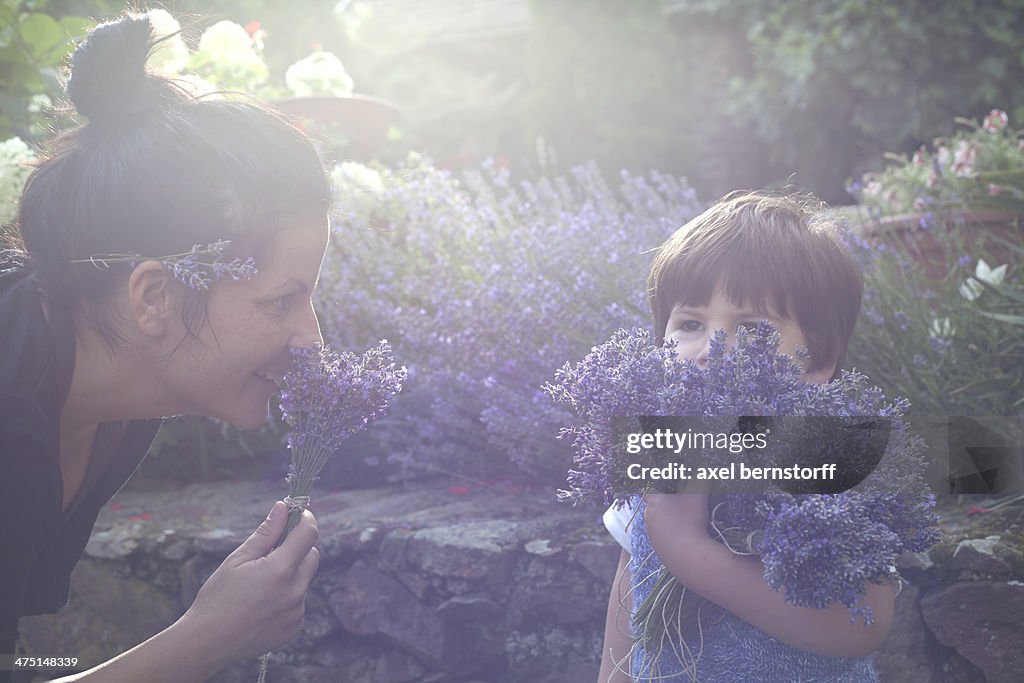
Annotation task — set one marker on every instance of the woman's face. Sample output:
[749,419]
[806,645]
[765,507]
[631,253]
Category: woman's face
[232,370]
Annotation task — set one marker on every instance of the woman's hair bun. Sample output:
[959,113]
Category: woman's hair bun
[108,70]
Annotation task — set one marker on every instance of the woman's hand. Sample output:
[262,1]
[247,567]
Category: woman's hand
[255,601]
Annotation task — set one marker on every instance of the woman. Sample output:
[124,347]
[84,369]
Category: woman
[107,327]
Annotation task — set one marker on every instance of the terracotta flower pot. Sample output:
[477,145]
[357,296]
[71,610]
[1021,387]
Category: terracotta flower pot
[363,120]
[920,235]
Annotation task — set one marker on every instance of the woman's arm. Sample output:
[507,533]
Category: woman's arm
[618,640]
[676,525]
[253,603]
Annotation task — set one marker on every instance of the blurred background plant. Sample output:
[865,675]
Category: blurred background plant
[980,167]
[495,264]
[952,345]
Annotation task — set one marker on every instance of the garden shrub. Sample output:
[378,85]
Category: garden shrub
[952,345]
[485,286]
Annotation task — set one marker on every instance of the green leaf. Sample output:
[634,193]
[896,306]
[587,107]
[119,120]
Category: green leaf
[11,54]
[8,15]
[1004,317]
[41,32]
[75,27]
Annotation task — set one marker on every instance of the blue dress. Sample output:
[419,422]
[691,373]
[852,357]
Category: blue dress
[731,651]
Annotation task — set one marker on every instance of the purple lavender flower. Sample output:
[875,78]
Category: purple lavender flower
[329,396]
[488,285]
[818,549]
[193,268]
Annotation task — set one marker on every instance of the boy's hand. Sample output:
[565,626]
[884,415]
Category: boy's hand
[673,519]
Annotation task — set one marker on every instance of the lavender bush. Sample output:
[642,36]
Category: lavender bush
[817,549]
[488,285]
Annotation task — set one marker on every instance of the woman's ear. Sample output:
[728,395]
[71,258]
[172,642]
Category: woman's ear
[151,298]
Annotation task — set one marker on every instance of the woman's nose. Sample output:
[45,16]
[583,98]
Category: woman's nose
[308,333]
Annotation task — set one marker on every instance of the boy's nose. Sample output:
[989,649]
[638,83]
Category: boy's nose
[702,357]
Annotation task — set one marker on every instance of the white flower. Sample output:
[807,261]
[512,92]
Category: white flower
[319,73]
[996,121]
[942,328]
[352,173]
[358,188]
[972,288]
[14,155]
[227,55]
[873,189]
[169,56]
[227,41]
[39,103]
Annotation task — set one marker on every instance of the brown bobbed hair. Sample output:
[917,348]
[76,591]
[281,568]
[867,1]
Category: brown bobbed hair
[780,252]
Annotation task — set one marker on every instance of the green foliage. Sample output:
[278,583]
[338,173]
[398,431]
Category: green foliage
[609,85]
[829,89]
[925,338]
[33,47]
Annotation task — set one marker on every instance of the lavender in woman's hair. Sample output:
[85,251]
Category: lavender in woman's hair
[193,267]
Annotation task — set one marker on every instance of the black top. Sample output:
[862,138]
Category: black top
[39,543]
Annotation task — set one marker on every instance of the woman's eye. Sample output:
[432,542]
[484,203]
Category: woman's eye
[283,303]
[690,326]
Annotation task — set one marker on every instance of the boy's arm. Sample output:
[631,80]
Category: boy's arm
[617,628]
[676,525]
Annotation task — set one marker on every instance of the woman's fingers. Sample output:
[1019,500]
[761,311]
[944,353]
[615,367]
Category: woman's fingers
[299,541]
[308,567]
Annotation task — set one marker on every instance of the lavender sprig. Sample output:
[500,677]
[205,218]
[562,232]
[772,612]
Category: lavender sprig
[193,267]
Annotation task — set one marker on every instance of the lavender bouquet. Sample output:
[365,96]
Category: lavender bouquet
[327,397]
[818,549]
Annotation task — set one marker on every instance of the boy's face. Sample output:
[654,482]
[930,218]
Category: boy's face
[692,327]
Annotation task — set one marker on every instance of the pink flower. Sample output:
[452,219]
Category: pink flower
[964,158]
[931,180]
[995,121]
[919,204]
[920,157]
[994,190]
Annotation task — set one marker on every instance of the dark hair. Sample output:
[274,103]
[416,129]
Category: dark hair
[765,250]
[153,172]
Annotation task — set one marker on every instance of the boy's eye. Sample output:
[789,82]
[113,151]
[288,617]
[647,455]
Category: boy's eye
[690,326]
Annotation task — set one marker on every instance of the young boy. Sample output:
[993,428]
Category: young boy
[751,256]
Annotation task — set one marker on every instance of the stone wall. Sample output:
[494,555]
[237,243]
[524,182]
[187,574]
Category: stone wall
[497,585]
